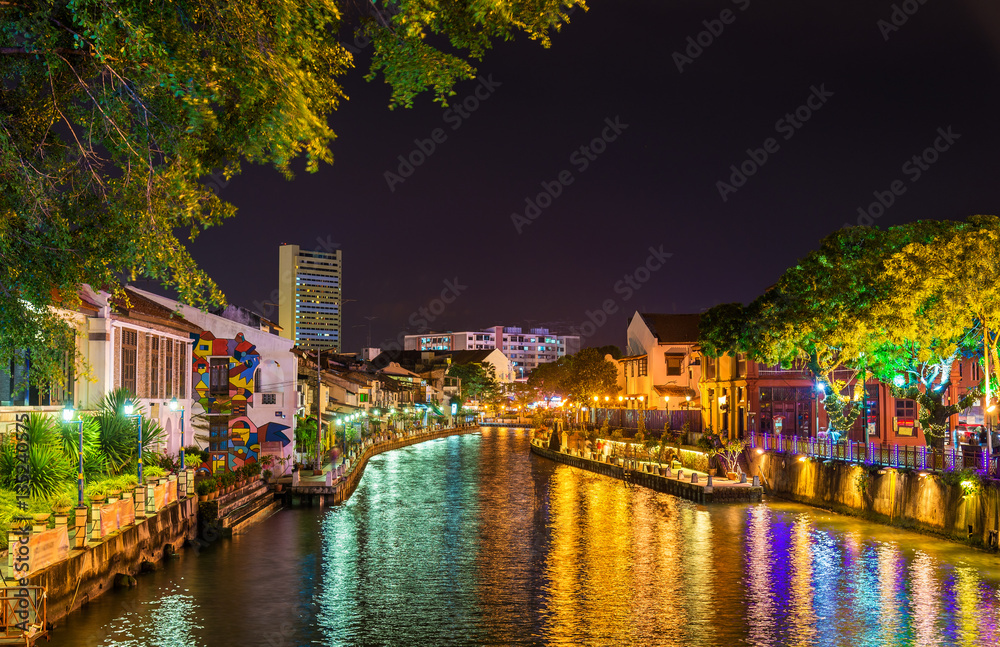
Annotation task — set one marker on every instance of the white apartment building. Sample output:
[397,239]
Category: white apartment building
[525,350]
[309,297]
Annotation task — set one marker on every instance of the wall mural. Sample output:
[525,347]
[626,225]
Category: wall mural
[243,446]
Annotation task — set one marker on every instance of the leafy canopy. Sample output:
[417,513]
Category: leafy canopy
[112,112]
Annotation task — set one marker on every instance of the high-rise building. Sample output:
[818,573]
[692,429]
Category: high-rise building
[525,350]
[309,297]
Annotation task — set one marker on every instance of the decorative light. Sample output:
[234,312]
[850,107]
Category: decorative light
[760,451]
[173,404]
[688,398]
[899,380]
[68,413]
[722,399]
[620,398]
[820,387]
[128,408]
[802,459]
[642,398]
[595,398]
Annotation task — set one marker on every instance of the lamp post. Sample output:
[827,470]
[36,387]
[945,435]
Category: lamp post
[128,410]
[68,414]
[175,406]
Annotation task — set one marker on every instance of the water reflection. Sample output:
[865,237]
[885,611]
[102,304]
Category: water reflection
[471,540]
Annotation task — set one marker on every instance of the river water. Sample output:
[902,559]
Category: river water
[471,540]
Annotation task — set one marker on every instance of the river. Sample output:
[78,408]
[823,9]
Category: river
[471,540]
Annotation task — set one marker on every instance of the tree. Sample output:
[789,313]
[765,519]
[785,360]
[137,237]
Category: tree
[610,349]
[590,374]
[114,113]
[818,314]
[479,382]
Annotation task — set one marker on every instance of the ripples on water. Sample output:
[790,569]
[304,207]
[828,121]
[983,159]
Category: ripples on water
[471,540]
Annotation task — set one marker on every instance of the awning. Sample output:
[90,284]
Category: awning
[675,391]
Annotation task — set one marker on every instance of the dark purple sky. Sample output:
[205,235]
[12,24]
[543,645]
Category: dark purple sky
[655,185]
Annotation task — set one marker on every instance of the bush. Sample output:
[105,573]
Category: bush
[203,488]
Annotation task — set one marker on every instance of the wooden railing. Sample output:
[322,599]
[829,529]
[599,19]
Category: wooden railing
[901,456]
[23,611]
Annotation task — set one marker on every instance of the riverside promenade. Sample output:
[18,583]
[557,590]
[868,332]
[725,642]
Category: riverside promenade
[337,482]
[685,483]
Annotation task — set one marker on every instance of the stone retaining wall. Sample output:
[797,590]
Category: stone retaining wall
[901,498]
[90,572]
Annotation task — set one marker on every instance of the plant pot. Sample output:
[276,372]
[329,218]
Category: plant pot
[732,476]
[278,487]
[61,510]
[202,498]
[41,517]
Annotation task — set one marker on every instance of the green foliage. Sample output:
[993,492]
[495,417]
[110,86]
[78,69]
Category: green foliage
[580,377]
[115,111]
[48,467]
[479,382]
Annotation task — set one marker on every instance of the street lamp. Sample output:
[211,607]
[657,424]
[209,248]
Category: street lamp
[128,410]
[174,406]
[68,414]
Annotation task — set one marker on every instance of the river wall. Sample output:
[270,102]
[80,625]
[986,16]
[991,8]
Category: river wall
[91,572]
[901,498]
[343,489]
[697,492]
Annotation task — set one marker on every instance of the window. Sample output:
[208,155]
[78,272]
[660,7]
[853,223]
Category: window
[153,353]
[130,349]
[741,365]
[218,376]
[182,374]
[673,362]
[218,433]
[168,377]
[643,366]
[269,398]
[786,410]
[256,381]
[710,368]
[906,417]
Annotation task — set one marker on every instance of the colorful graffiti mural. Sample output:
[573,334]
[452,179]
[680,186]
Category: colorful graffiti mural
[230,403]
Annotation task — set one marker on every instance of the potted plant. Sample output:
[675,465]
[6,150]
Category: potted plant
[40,510]
[96,492]
[213,489]
[61,504]
[203,490]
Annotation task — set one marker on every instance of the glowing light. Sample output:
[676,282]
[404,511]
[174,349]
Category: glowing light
[760,451]
[128,408]
[899,380]
[173,404]
[820,387]
[802,459]
[68,413]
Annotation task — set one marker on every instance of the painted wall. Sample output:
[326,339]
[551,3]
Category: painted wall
[254,355]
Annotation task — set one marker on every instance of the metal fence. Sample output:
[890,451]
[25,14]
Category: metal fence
[655,420]
[902,456]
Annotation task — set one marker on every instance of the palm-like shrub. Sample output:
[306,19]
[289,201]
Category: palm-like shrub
[117,436]
[47,466]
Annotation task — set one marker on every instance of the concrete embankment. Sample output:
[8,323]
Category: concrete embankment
[698,492]
[89,573]
[342,490]
[901,498]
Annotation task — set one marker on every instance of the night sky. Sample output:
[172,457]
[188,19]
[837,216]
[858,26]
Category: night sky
[654,185]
